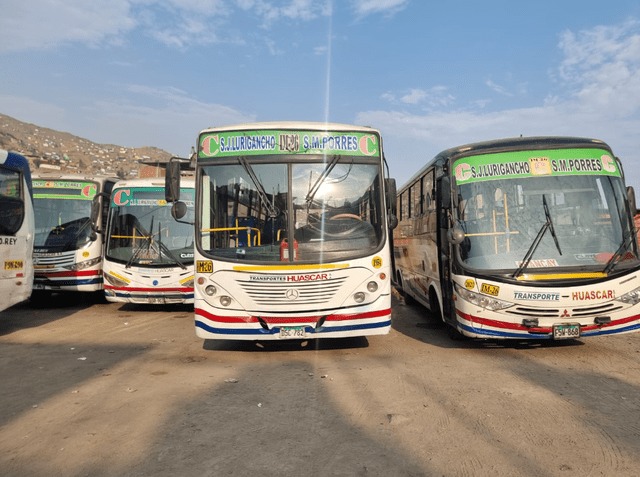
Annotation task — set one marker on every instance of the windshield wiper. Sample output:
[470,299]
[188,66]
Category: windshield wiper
[613,261]
[327,170]
[547,225]
[273,210]
[168,253]
[147,243]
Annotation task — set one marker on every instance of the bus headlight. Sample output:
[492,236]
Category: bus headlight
[358,297]
[210,290]
[630,298]
[83,265]
[372,287]
[115,281]
[225,300]
[482,301]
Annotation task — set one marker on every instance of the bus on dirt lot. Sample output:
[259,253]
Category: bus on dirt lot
[16,229]
[67,253]
[528,238]
[290,231]
[149,255]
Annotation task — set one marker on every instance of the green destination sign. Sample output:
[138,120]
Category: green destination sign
[247,143]
[554,162]
[63,189]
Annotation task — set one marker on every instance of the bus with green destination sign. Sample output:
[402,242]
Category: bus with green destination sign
[524,238]
[149,255]
[291,231]
[68,252]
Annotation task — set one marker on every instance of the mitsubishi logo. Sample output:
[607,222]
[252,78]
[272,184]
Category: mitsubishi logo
[565,314]
[292,294]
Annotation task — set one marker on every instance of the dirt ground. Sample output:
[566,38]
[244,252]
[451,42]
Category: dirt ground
[120,390]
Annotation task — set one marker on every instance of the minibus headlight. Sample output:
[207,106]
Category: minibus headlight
[483,301]
[83,265]
[630,298]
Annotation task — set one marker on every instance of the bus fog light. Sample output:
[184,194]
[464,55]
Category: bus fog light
[372,287]
[359,297]
[225,300]
[210,290]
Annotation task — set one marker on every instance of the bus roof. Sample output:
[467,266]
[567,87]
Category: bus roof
[185,182]
[292,125]
[509,144]
[19,162]
[74,177]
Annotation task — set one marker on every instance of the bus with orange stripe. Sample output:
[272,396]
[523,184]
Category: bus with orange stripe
[291,231]
[149,255]
[523,238]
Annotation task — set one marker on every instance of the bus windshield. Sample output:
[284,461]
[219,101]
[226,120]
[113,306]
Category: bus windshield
[62,214]
[142,232]
[333,205]
[577,219]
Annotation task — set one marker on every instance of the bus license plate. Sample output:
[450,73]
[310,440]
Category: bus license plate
[564,332]
[292,332]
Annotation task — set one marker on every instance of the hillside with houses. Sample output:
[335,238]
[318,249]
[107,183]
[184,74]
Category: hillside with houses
[54,151]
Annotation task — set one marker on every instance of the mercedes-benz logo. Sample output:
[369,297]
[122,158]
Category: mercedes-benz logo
[292,294]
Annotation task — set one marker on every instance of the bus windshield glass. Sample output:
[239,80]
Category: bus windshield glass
[62,214]
[544,209]
[331,209]
[142,231]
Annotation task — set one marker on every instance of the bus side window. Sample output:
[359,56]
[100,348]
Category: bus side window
[416,200]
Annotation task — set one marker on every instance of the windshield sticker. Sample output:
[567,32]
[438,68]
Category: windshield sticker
[593,295]
[544,163]
[536,296]
[234,143]
[540,263]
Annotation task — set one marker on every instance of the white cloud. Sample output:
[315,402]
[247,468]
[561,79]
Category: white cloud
[369,7]
[497,88]
[50,23]
[600,73]
[433,98]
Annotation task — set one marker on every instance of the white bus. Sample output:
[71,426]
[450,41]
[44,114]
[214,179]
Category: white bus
[67,253]
[149,255]
[525,238]
[291,232]
[16,229]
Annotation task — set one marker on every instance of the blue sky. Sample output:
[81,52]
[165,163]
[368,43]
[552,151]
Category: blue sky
[429,75]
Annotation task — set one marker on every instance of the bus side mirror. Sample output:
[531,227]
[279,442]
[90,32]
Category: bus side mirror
[172,182]
[390,186]
[392,221]
[178,210]
[445,192]
[96,210]
[455,235]
[631,196]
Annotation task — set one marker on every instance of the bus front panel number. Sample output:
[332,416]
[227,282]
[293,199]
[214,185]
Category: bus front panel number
[567,331]
[292,332]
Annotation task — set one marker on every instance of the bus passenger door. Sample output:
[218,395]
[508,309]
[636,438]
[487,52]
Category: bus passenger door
[443,207]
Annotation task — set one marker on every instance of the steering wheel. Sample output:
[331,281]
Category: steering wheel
[346,216]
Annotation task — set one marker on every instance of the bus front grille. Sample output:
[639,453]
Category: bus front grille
[292,293]
[595,310]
